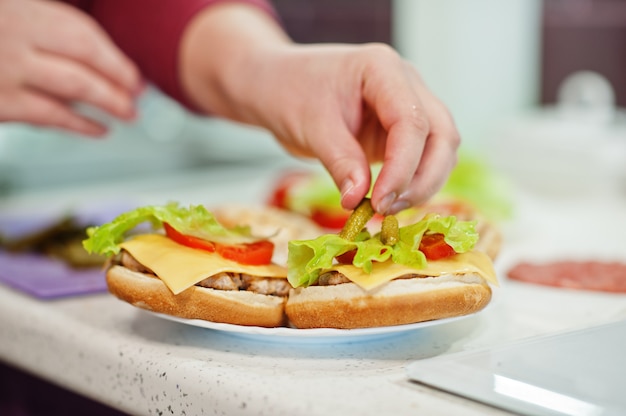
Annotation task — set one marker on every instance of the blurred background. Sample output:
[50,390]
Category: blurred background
[537,88]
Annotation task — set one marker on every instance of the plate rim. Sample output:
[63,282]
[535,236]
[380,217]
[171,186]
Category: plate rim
[309,333]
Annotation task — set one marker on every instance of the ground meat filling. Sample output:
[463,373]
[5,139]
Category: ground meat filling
[335,278]
[242,281]
[221,281]
[332,278]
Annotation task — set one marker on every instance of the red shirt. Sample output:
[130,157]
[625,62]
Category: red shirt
[149,32]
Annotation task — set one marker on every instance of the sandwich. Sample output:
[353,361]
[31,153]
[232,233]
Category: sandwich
[187,264]
[407,274]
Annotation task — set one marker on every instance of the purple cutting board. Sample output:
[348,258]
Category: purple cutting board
[47,278]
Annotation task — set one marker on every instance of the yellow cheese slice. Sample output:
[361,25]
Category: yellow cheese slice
[471,262]
[181,267]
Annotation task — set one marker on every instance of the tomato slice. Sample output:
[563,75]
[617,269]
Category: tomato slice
[188,240]
[254,254]
[330,219]
[347,257]
[434,247]
[283,186]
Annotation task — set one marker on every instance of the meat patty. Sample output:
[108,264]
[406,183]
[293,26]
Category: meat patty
[221,281]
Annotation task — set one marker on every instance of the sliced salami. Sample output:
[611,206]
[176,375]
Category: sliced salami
[583,275]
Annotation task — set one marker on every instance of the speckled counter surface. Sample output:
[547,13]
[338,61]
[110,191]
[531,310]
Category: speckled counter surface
[140,363]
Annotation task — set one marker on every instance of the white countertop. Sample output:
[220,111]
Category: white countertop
[129,359]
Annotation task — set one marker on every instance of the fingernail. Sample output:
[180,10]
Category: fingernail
[346,187]
[398,206]
[385,203]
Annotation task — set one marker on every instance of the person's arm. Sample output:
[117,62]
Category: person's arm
[347,105]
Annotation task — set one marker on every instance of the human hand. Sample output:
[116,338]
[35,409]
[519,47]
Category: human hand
[348,105]
[53,56]
[351,106]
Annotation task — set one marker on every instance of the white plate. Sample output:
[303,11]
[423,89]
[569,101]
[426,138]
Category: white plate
[285,334]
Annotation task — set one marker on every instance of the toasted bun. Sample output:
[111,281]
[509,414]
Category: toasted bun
[401,301]
[226,306]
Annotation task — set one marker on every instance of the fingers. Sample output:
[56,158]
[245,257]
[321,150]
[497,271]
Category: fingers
[75,63]
[439,156]
[402,115]
[42,110]
[421,138]
[342,156]
[71,82]
[89,45]
[406,139]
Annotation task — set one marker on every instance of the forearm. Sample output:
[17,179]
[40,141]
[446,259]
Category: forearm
[222,52]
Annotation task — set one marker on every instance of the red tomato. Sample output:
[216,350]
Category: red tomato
[330,219]
[434,247]
[279,198]
[255,254]
[347,257]
[283,186]
[188,240]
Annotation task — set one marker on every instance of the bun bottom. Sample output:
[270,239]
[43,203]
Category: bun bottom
[225,306]
[399,302]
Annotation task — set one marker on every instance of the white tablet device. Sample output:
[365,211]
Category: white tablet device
[576,373]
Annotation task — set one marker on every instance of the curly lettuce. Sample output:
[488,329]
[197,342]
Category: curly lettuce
[473,180]
[307,259]
[317,191]
[195,220]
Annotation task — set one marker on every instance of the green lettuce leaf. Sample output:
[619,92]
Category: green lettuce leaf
[476,182]
[318,191]
[307,259]
[196,221]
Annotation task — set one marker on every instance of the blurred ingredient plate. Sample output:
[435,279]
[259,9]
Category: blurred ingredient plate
[44,276]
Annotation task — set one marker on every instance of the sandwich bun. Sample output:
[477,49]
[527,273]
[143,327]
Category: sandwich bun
[398,302]
[238,307]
